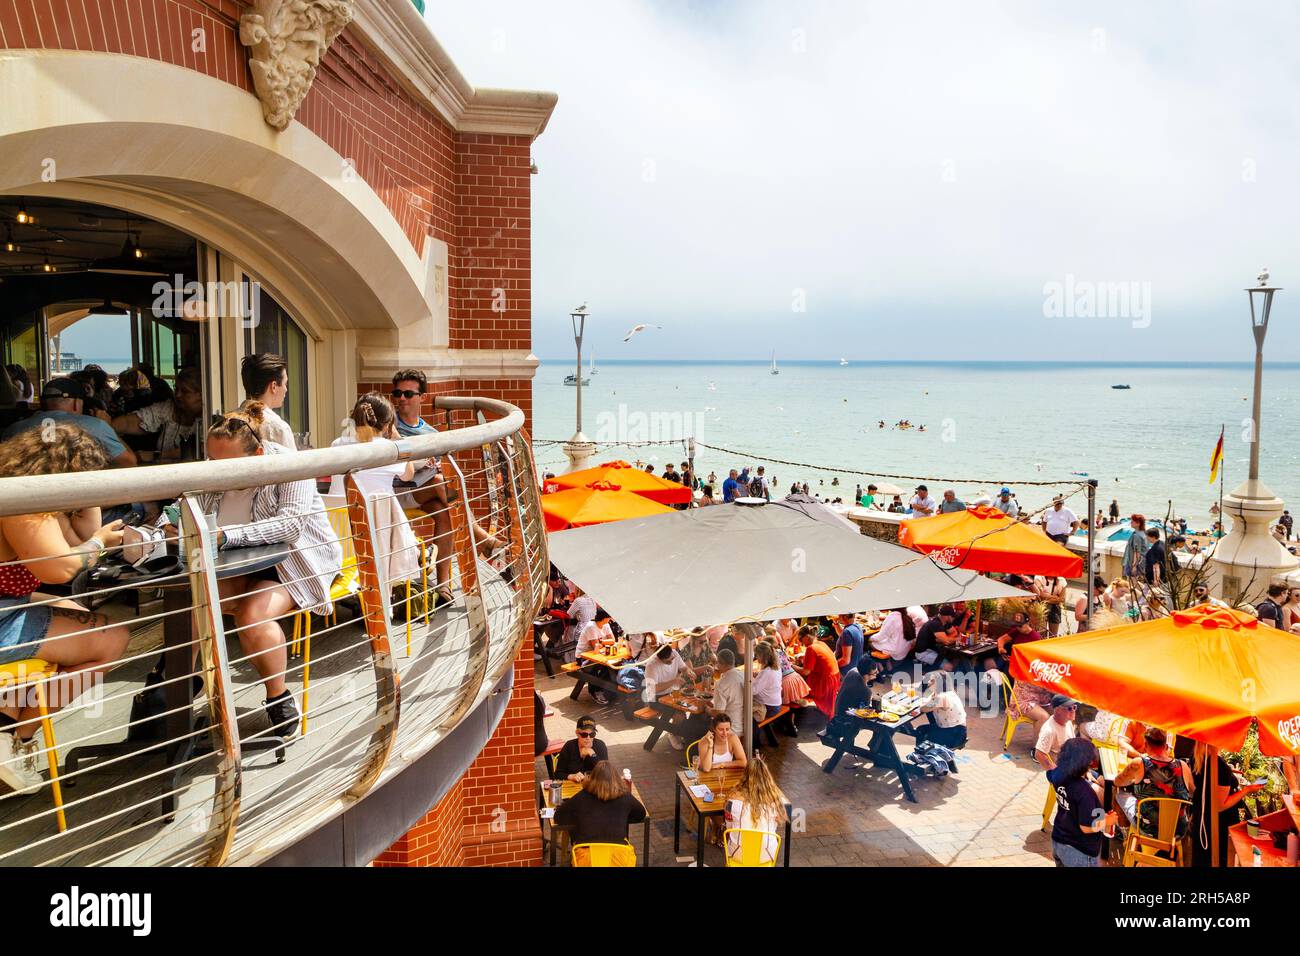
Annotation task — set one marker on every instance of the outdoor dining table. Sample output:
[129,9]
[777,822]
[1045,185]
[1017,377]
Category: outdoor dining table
[568,789]
[673,702]
[721,782]
[181,724]
[582,674]
[970,652]
[882,751]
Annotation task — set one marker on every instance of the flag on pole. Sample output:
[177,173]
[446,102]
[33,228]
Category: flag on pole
[1216,459]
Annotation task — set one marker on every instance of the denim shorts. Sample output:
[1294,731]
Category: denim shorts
[1067,855]
[22,628]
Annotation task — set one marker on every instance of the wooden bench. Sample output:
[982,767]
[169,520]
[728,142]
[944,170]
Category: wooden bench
[766,723]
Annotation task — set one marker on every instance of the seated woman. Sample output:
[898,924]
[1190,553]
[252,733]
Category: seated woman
[49,548]
[291,513]
[897,635]
[820,670]
[720,747]
[948,709]
[172,423]
[755,804]
[601,812]
[695,650]
[579,756]
[373,417]
[793,687]
[766,688]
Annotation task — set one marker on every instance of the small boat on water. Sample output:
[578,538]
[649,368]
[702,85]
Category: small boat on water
[572,379]
[844,361]
[1121,386]
[775,370]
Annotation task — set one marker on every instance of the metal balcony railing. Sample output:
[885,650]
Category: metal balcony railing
[164,754]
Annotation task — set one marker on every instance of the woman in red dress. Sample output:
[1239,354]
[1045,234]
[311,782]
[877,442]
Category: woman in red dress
[820,670]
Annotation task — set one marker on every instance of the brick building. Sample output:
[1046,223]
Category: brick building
[371,206]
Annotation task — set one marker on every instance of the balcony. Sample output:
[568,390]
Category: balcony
[393,711]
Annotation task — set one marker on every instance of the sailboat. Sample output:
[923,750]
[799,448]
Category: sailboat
[775,370]
[844,361]
[591,366]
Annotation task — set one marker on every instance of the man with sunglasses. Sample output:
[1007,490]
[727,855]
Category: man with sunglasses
[579,756]
[1055,731]
[430,494]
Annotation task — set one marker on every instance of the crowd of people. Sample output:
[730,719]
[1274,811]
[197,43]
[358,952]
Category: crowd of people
[84,425]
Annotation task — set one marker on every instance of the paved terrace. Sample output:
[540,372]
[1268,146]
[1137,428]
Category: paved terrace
[987,815]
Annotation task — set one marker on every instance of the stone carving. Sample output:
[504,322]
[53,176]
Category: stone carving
[286,40]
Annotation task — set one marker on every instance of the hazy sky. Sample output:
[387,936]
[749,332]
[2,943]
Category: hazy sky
[914,175]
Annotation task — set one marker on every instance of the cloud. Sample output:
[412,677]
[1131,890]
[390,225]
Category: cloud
[916,173]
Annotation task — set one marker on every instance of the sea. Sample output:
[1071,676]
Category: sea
[1039,428]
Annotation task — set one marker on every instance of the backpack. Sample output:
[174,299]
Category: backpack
[756,487]
[1274,612]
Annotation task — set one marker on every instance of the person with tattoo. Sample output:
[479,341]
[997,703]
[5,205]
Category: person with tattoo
[48,548]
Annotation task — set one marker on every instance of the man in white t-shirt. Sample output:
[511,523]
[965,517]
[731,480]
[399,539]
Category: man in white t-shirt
[1055,731]
[266,380]
[729,691]
[1059,521]
[922,504]
[664,671]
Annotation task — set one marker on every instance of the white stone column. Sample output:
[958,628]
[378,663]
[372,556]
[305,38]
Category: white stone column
[579,450]
[1248,556]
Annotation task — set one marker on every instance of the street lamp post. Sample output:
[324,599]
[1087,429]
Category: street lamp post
[1249,557]
[578,449]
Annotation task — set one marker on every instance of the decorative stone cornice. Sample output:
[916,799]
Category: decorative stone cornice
[440,365]
[398,35]
[286,40]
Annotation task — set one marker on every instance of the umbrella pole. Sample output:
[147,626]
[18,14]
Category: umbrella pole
[1212,755]
[1089,571]
[747,635]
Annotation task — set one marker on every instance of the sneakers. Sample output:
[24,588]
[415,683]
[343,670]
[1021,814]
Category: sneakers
[18,764]
[283,715]
[676,742]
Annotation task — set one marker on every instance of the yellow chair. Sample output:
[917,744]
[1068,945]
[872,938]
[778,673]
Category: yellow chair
[1143,849]
[1049,806]
[604,854]
[751,847]
[345,585]
[1009,728]
[36,673]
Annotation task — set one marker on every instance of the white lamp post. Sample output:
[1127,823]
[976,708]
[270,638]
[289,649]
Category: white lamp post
[1248,555]
[578,449]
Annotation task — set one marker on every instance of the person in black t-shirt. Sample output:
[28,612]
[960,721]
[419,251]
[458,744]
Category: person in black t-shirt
[933,633]
[1269,610]
[579,756]
[601,813]
[1079,824]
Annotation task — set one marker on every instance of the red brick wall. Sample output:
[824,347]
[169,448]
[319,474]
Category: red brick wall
[470,191]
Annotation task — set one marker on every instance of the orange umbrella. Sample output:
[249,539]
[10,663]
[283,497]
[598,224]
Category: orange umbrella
[1204,673]
[630,479]
[1013,548]
[598,502]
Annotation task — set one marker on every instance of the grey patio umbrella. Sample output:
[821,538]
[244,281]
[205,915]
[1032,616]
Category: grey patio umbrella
[749,563]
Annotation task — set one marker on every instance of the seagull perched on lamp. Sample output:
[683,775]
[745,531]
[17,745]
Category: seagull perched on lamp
[638,328]
[1263,276]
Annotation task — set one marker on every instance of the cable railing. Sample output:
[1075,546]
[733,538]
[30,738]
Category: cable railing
[148,723]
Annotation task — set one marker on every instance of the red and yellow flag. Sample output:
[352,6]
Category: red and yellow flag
[1216,459]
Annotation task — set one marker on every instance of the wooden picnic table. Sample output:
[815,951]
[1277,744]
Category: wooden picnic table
[568,789]
[721,782]
[882,751]
[580,671]
[972,652]
[674,702]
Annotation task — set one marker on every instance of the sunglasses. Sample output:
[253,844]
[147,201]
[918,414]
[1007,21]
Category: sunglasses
[586,733]
[403,393]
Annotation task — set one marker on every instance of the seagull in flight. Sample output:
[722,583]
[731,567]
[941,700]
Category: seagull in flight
[638,328]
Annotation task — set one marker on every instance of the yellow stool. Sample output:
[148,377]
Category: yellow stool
[35,673]
[1049,806]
